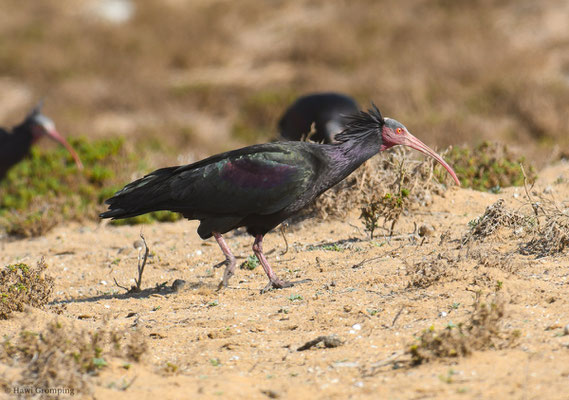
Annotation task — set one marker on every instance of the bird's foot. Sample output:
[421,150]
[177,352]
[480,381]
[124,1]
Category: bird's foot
[222,263]
[280,284]
[227,274]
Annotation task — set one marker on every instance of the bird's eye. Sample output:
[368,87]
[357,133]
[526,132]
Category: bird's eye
[399,131]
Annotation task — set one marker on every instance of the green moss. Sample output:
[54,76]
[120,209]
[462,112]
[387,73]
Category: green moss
[22,285]
[487,167]
[251,263]
[47,188]
[51,175]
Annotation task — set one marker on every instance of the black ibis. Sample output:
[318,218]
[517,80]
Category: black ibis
[260,186]
[327,111]
[15,145]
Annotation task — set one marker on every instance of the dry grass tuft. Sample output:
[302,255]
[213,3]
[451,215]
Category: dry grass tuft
[551,233]
[553,238]
[545,227]
[495,217]
[63,356]
[22,285]
[430,271]
[383,188]
[36,221]
[482,331]
[488,257]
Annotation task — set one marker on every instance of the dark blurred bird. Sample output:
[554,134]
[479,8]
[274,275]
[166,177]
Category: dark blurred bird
[327,111]
[16,144]
[260,186]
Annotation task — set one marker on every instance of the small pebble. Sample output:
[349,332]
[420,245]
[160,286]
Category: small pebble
[178,284]
[357,327]
[566,330]
[426,230]
[103,282]
[443,314]
[271,394]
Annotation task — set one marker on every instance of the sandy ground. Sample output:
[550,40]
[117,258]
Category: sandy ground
[239,344]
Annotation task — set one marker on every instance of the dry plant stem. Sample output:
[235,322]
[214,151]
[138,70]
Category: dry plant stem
[399,184]
[534,205]
[376,367]
[121,286]
[377,257]
[125,387]
[397,316]
[282,230]
[141,266]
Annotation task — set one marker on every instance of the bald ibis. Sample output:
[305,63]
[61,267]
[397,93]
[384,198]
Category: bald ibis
[327,111]
[15,145]
[260,186]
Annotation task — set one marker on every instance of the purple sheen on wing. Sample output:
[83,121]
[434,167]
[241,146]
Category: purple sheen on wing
[249,174]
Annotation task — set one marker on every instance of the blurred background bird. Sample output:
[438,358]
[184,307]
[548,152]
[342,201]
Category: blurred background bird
[15,144]
[326,113]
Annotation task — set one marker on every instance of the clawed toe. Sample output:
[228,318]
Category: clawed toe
[225,281]
[280,284]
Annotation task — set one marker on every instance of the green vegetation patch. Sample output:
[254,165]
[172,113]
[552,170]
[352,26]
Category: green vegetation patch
[488,166]
[484,330]
[251,263]
[389,208]
[22,285]
[49,175]
[47,188]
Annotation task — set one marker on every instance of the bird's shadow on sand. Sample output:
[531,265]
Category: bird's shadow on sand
[159,289]
[343,243]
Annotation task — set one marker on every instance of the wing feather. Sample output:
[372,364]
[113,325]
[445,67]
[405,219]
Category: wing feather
[254,183]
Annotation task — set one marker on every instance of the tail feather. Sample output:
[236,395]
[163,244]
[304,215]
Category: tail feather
[144,195]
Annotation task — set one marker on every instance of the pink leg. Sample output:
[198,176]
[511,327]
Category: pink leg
[229,260]
[274,280]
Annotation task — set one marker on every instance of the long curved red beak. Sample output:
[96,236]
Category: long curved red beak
[416,144]
[53,134]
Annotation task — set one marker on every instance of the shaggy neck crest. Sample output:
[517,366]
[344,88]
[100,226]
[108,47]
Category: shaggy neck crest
[36,111]
[362,125]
